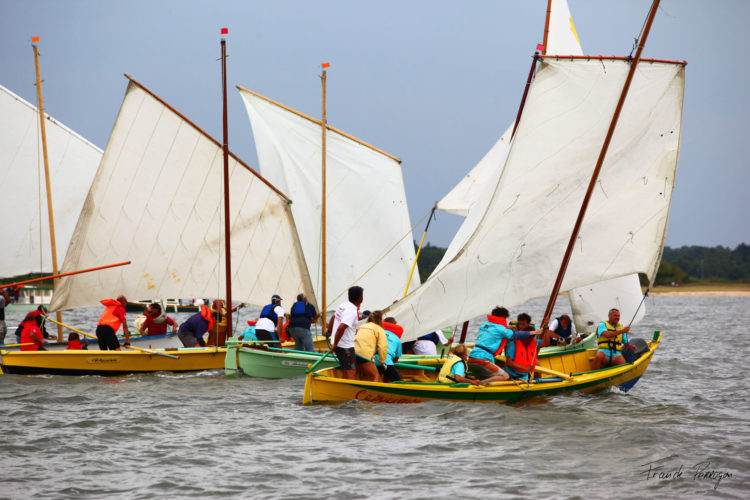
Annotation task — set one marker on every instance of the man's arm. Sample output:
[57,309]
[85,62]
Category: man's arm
[339,332]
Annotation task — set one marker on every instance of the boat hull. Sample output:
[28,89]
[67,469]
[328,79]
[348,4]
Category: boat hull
[96,362]
[275,364]
[569,373]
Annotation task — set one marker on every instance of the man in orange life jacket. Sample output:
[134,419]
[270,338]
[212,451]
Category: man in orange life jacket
[494,335]
[110,321]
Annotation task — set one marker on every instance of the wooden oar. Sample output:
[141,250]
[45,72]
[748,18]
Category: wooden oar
[149,351]
[547,371]
[416,367]
[15,345]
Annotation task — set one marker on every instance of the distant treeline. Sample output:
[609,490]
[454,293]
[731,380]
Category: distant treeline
[679,265]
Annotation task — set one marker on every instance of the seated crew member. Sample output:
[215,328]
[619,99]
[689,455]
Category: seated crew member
[494,336]
[562,331]
[393,334]
[612,338]
[31,335]
[454,368]
[426,345]
[270,322]
[369,340]
[74,342]
[110,321]
[157,321]
[40,317]
[192,330]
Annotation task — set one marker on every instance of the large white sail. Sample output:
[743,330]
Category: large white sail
[157,200]
[472,194]
[516,249]
[73,162]
[368,236]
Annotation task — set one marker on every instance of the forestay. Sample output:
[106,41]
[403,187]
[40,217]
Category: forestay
[516,249]
[157,201]
[369,240]
[72,162]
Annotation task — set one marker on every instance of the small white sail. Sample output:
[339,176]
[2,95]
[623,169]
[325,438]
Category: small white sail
[562,39]
[590,304]
[516,249]
[369,240]
[73,162]
[157,200]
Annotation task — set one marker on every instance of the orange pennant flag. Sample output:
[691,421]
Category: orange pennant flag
[34,38]
[325,65]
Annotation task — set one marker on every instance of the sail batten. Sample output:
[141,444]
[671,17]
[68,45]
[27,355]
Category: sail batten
[515,251]
[157,199]
[368,231]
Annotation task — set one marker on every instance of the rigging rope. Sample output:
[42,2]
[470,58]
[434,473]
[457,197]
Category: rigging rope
[398,242]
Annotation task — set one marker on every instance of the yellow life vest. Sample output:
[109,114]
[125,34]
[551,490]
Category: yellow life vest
[445,377]
[613,343]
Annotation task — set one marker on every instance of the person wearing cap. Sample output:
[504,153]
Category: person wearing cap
[301,318]
[270,321]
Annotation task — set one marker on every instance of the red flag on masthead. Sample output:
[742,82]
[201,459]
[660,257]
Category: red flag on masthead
[540,47]
[325,65]
[224,31]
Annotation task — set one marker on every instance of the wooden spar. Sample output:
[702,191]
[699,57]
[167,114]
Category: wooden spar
[318,122]
[225,147]
[50,213]
[525,92]
[419,250]
[597,169]
[324,304]
[464,329]
[546,27]
[55,276]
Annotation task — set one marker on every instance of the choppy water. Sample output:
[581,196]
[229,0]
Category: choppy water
[203,435]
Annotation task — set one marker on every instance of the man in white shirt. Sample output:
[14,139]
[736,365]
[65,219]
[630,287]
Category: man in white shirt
[270,321]
[427,344]
[342,330]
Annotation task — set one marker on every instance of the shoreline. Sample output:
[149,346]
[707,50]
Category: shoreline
[704,290]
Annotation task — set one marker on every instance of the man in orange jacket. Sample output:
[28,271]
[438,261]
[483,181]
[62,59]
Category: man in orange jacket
[110,321]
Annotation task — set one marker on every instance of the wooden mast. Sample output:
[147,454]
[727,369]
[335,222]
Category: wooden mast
[597,169]
[225,147]
[546,27]
[324,304]
[50,213]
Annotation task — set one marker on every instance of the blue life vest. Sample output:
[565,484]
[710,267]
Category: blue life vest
[268,312]
[563,332]
[299,308]
[432,337]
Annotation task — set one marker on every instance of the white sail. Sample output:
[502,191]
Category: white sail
[471,196]
[562,38]
[516,249]
[590,304]
[73,162]
[157,200]
[481,180]
[368,234]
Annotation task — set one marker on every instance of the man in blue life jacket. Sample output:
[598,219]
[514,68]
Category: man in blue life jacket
[301,318]
[561,331]
[270,322]
[611,339]
[493,336]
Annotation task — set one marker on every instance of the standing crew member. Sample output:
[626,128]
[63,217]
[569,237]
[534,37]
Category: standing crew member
[302,316]
[110,321]
[343,329]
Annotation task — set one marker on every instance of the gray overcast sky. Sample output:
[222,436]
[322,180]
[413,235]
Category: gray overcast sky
[432,82]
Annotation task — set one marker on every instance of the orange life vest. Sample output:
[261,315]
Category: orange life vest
[30,327]
[108,316]
[524,359]
[208,316]
[393,328]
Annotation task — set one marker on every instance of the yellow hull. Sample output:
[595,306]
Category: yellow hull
[569,372]
[95,362]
